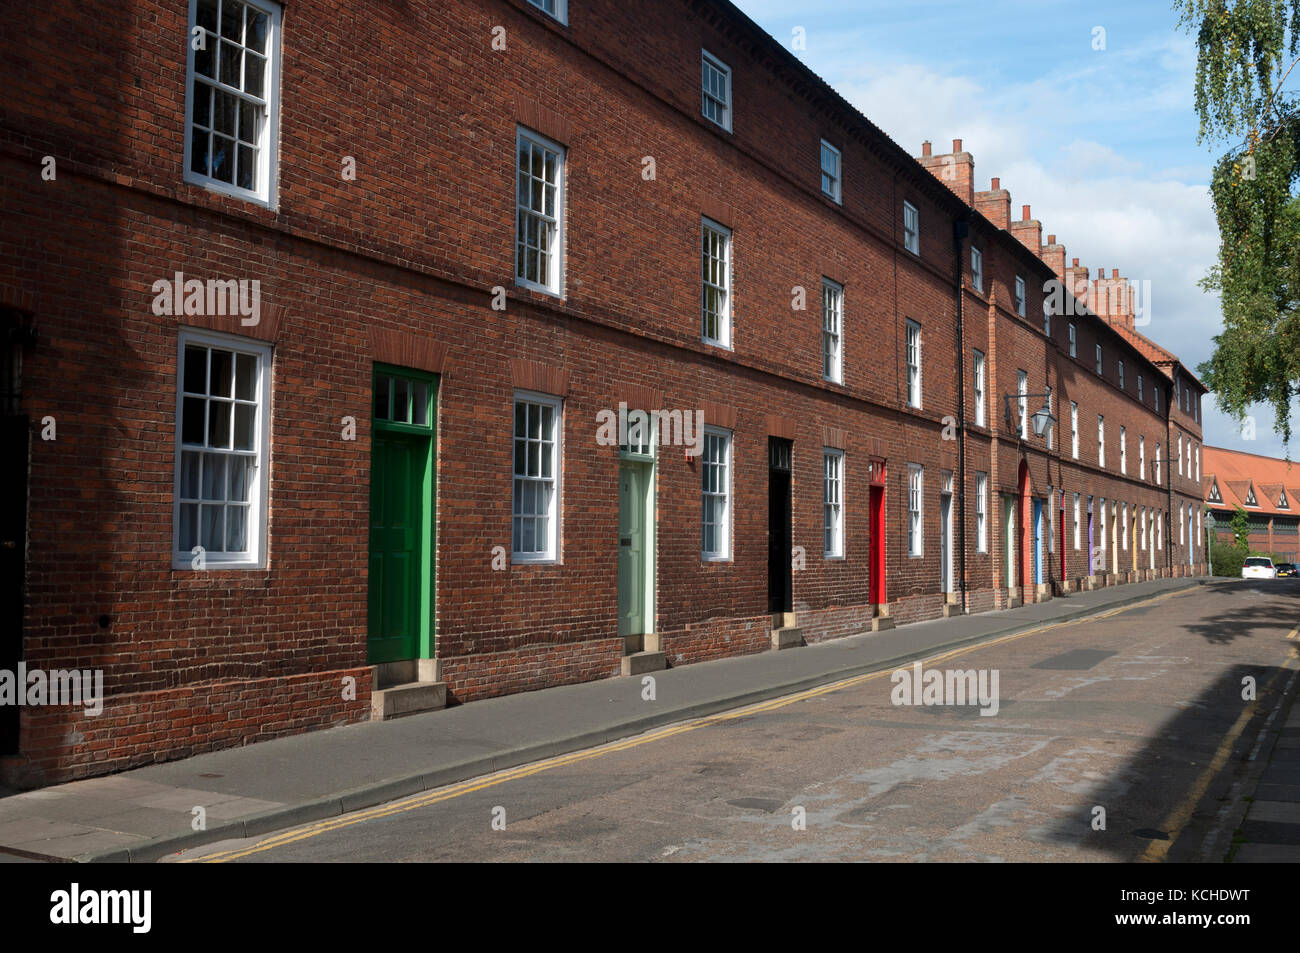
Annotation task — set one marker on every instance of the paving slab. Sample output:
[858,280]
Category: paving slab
[1275,812]
[1267,854]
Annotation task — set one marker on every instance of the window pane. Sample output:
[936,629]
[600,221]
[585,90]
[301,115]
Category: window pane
[196,370]
[190,461]
[241,478]
[203,104]
[223,158]
[250,121]
[401,401]
[193,422]
[236,522]
[255,74]
[199,141]
[211,528]
[214,476]
[225,109]
[207,15]
[229,62]
[245,415]
[205,59]
[189,526]
[420,403]
[218,424]
[259,25]
[246,172]
[232,20]
[245,377]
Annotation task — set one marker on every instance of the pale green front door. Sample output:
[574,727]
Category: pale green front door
[633,549]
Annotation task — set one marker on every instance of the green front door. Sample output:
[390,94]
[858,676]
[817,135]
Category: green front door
[400,604]
[633,548]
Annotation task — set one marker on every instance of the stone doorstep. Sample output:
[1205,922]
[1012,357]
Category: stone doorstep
[787,637]
[638,663]
[407,699]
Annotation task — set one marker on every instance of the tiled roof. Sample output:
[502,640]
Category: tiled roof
[1236,474]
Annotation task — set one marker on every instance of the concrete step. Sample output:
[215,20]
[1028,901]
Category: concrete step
[638,663]
[881,623]
[951,609]
[397,700]
[790,637]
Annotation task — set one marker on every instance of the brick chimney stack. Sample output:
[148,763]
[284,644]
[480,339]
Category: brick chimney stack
[1029,230]
[1077,284]
[1054,255]
[955,170]
[1113,298]
[995,204]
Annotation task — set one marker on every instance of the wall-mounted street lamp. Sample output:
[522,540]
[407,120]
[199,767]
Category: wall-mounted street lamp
[1042,419]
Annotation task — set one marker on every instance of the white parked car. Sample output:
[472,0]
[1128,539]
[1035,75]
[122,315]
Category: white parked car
[1258,567]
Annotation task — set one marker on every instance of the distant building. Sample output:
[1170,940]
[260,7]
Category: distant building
[1267,488]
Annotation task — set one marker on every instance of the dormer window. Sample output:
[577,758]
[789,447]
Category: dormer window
[1214,493]
[1250,497]
[1282,503]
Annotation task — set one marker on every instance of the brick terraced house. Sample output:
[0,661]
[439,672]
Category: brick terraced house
[1266,488]
[332,334]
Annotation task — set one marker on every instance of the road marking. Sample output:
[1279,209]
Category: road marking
[1182,814]
[514,774]
[1293,633]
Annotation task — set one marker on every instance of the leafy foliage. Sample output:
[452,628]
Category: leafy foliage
[1240,524]
[1247,51]
[1226,559]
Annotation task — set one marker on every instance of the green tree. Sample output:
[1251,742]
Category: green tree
[1247,51]
[1240,524]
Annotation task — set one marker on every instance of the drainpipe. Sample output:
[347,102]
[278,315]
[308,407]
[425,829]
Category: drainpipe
[960,229]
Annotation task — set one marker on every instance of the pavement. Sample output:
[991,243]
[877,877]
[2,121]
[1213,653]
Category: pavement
[1270,829]
[148,813]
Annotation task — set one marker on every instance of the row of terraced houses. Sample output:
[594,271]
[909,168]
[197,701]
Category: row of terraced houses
[333,336]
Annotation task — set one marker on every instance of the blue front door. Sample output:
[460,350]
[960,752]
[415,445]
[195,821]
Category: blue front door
[1038,541]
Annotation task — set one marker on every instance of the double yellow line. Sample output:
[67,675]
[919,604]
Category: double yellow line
[524,771]
[1182,814]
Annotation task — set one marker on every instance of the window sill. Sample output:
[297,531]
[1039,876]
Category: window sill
[543,290]
[218,187]
[186,564]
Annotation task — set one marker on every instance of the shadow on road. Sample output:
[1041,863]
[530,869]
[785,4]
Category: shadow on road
[1261,619]
[1145,802]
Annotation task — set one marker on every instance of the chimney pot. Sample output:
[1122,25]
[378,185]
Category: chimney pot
[1051,239]
[1076,263]
[956,146]
[1024,212]
[997,184]
[1114,272]
[925,148]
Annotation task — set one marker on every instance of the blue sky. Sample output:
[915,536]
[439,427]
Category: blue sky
[1102,143]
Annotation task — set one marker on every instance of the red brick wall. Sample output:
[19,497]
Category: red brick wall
[138,728]
[414,245]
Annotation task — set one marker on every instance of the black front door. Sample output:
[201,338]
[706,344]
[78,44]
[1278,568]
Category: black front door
[14,436]
[780,579]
